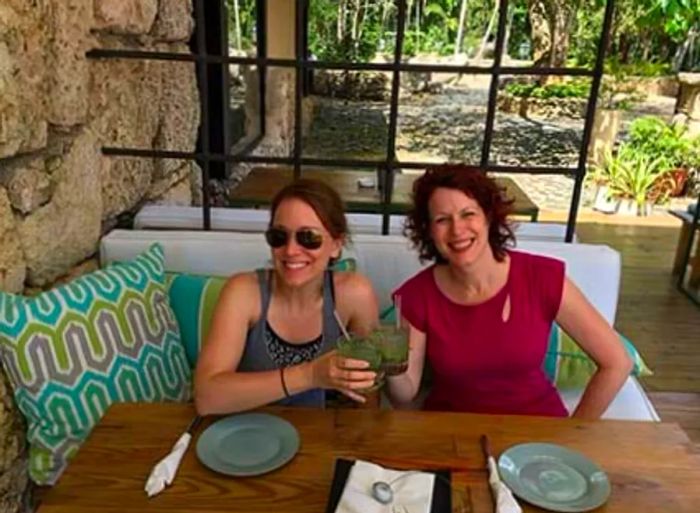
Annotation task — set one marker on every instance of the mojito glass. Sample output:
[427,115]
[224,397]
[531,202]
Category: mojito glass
[393,344]
[363,348]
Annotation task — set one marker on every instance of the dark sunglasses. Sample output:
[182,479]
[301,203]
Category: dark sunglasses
[307,238]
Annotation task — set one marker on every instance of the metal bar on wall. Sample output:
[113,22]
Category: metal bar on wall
[307,78]
[207,58]
[386,173]
[300,58]
[216,41]
[590,117]
[261,44]
[493,89]
[244,156]
[354,66]
[204,141]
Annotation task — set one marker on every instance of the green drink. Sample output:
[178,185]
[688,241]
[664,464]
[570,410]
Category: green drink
[363,348]
[393,344]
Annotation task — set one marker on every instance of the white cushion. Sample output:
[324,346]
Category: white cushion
[387,261]
[256,220]
[631,403]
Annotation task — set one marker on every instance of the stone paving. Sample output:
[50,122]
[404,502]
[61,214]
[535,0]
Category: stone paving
[450,126]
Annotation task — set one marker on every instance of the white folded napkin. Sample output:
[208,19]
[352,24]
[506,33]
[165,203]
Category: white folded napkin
[412,493]
[505,502]
[164,472]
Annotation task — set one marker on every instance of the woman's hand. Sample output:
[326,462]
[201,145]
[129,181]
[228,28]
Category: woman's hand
[346,375]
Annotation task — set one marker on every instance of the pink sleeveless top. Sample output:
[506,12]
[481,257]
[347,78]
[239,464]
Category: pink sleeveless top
[480,363]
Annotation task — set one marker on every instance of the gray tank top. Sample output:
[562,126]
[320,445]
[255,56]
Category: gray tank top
[264,350]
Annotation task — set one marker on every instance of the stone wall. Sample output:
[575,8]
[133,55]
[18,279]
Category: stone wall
[688,103]
[58,193]
[657,86]
[352,85]
[542,108]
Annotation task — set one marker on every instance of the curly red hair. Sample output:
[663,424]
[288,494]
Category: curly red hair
[473,182]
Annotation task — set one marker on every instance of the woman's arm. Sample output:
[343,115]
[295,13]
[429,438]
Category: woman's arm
[595,336]
[403,388]
[219,388]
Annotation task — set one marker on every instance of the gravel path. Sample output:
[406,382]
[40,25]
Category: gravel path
[450,126]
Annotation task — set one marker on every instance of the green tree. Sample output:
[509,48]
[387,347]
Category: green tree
[682,24]
[552,22]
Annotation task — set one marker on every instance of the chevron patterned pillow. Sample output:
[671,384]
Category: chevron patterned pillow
[71,352]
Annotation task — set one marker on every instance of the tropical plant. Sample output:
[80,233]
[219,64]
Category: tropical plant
[241,23]
[653,136]
[633,174]
[610,169]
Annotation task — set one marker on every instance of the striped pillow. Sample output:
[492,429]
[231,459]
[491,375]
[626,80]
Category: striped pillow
[193,299]
[568,366]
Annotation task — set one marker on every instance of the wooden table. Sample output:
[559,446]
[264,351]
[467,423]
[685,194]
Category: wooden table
[262,183]
[652,466]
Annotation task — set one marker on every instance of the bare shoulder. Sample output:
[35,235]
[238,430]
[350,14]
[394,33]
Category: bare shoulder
[353,286]
[242,289]
[356,301]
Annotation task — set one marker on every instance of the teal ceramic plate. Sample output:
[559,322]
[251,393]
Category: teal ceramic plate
[554,477]
[248,445]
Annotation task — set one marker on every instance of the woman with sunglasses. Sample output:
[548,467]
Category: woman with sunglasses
[273,331]
[482,313]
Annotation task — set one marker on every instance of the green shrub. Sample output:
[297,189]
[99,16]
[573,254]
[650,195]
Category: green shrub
[639,69]
[632,174]
[653,136]
[568,89]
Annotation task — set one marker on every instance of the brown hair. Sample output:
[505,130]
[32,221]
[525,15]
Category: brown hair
[473,182]
[322,198]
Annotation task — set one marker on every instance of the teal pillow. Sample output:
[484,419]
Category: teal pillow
[348,265]
[193,299]
[70,352]
[388,316]
[568,366]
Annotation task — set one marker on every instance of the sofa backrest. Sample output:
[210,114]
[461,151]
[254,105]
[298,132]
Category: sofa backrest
[176,217]
[386,260]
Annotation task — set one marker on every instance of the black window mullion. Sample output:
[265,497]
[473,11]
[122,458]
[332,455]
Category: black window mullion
[386,180]
[210,55]
[204,139]
[261,45]
[493,89]
[590,116]
[215,34]
[262,59]
[300,58]
[244,156]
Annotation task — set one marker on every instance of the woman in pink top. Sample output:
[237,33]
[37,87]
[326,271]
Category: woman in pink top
[482,313]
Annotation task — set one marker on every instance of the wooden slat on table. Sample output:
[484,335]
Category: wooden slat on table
[652,466]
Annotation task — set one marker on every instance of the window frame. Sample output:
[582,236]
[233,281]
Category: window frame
[213,153]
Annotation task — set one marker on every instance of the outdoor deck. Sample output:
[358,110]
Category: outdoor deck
[662,323]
